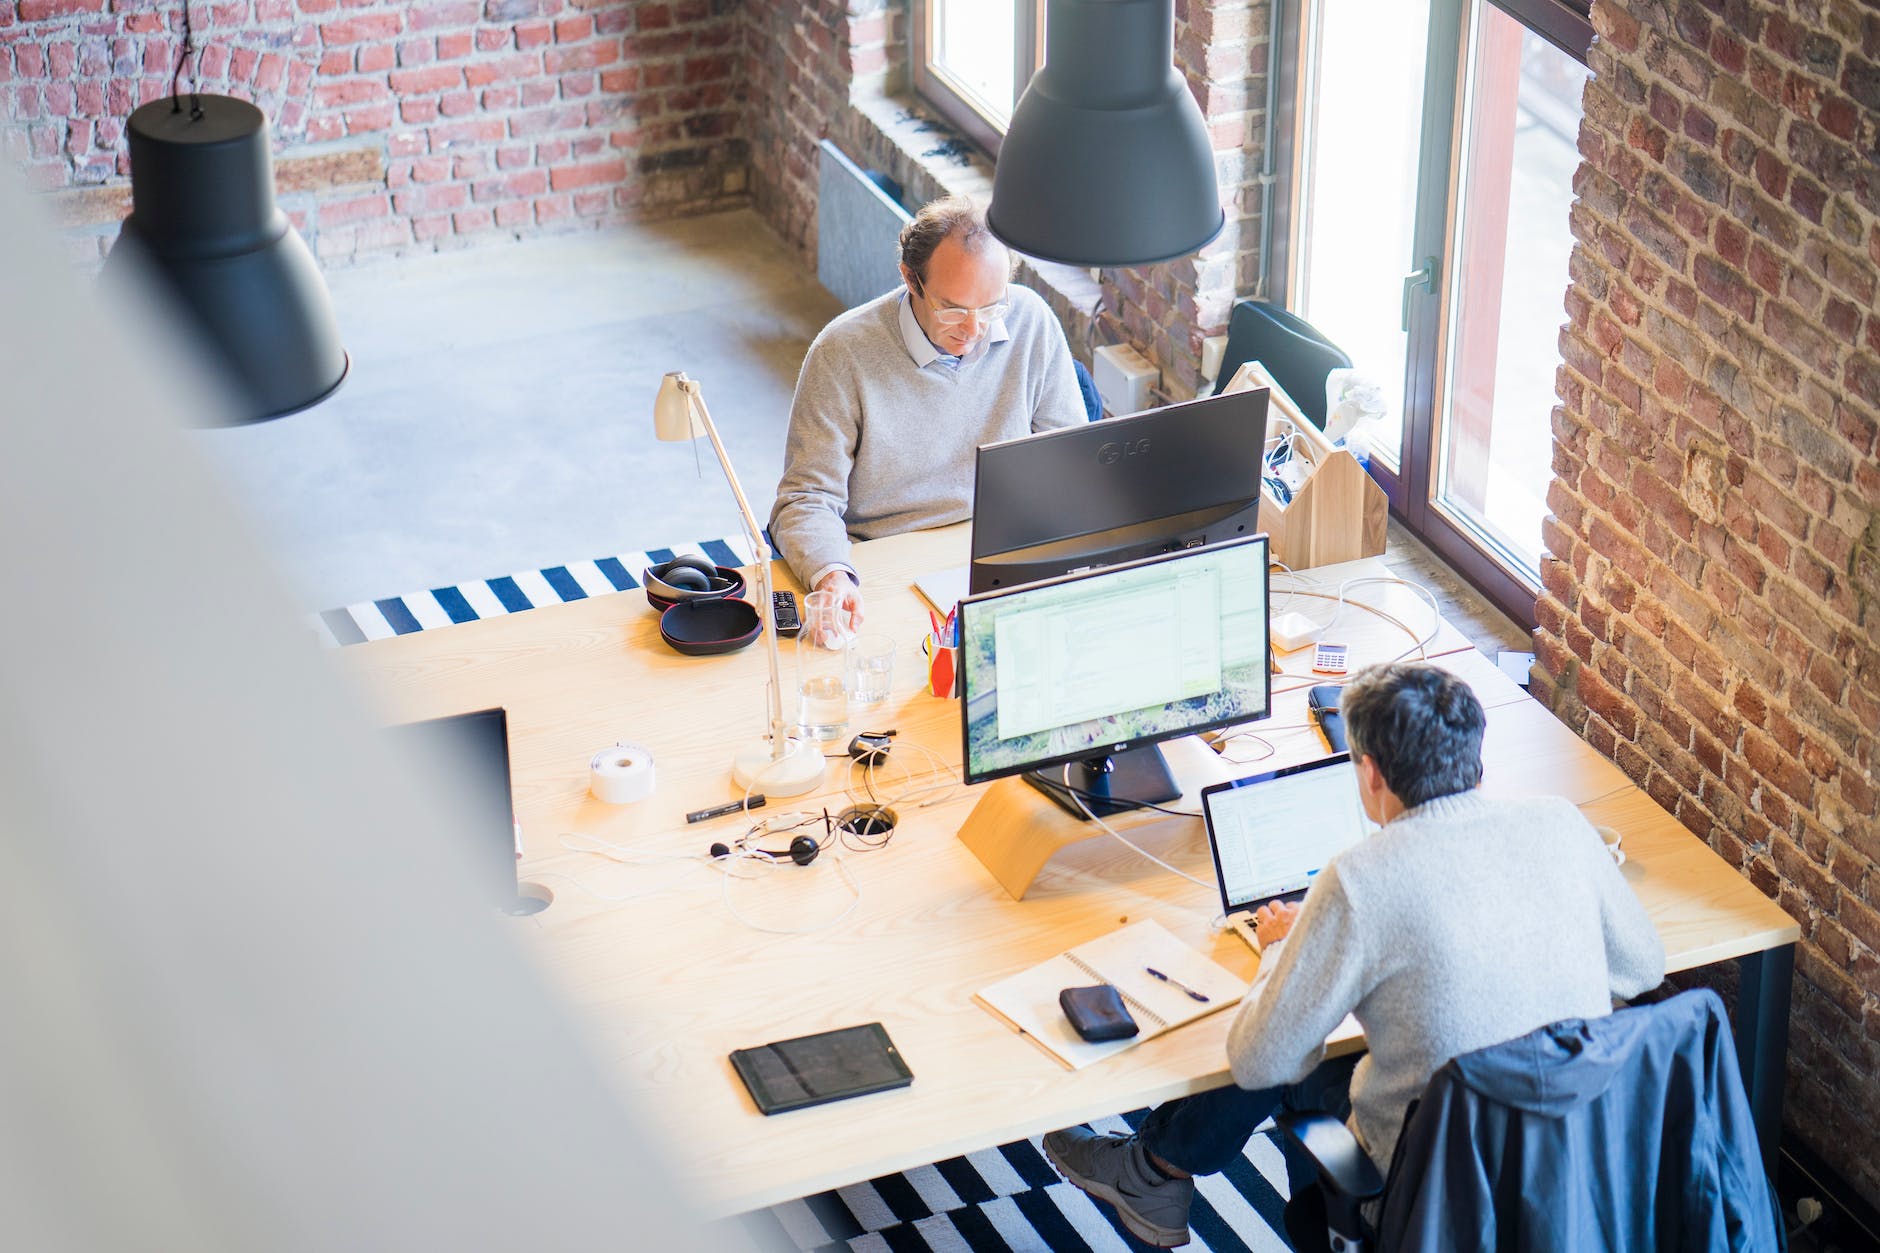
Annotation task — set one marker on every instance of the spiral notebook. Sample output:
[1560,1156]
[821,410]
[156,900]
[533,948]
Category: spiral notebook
[1028,1001]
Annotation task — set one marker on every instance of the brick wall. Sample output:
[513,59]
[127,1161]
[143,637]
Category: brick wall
[1713,602]
[397,125]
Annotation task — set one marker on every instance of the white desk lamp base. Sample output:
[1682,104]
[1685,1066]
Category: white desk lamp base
[799,770]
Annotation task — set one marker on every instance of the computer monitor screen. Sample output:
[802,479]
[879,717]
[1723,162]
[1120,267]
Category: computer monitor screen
[1091,667]
[470,752]
[1114,491]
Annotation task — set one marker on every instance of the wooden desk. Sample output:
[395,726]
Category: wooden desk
[669,982]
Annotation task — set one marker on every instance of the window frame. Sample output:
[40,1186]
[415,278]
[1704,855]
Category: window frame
[937,89]
[1413,482]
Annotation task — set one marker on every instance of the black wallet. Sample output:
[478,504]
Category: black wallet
[1322,701]
[1098,1013]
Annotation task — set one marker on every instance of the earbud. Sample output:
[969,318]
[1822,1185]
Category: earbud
[803,851]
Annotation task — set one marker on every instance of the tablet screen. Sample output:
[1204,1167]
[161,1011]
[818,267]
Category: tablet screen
[812,1069]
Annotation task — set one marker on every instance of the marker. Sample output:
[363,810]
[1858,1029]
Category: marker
[719,811]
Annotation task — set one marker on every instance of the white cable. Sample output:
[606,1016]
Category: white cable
[942,778]
[771,864]
[1076,794]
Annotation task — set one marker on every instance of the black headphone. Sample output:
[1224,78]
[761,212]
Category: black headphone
[694,574]
[803,850]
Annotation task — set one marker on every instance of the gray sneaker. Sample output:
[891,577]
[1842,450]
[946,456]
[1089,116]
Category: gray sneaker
[1112,1168]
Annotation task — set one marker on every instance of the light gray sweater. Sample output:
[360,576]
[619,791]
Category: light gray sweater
[879,445]
[1464,922]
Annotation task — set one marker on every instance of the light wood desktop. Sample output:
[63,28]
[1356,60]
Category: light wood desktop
[667,981]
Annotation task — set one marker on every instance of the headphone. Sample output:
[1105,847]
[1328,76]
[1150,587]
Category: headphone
[694,574]
[803,850]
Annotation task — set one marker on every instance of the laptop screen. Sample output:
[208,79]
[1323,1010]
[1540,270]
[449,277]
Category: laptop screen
[1272,832]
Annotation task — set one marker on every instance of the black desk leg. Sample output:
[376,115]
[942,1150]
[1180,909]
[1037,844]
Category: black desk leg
[1762,1039]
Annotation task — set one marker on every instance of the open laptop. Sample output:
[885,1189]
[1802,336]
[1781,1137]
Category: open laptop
[1270,833]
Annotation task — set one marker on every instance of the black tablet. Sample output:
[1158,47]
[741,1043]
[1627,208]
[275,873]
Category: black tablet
[813,1069]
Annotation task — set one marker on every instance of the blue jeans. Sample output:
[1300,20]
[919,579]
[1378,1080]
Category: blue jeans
[1204,1133]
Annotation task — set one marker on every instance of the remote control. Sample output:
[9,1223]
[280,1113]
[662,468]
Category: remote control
[783,605]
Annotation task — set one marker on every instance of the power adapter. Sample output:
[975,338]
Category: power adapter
[1292,630]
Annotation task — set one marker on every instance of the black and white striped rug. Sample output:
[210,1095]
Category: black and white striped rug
[1003,1198]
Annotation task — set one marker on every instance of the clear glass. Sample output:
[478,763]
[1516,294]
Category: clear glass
[870,669]
[1363,113]
[822,668]
[1522,117]
[975,48]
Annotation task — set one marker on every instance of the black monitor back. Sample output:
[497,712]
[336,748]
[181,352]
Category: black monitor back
[471,751]
[1131,487]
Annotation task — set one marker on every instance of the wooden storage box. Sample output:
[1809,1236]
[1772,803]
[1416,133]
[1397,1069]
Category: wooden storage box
[1339,513]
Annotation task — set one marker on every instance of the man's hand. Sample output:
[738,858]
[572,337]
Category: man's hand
[1271,923]
[848,593]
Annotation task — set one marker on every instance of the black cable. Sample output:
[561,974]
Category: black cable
[1121,802]
[195,79]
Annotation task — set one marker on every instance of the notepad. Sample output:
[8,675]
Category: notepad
[943,589]
[1028,1002]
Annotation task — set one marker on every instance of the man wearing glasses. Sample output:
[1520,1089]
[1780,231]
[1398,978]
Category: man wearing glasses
[896,396]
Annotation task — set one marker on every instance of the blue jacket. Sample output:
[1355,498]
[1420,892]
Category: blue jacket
[1624,1133]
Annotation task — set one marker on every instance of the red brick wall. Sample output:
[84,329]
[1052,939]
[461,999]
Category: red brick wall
[1712,604]
[398,125]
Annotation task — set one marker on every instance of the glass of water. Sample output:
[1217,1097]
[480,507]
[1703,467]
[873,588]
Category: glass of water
[821,668]
[870,669]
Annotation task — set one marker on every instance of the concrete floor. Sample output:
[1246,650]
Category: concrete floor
[498,416]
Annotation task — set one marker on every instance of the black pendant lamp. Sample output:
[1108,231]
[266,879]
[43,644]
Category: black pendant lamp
[205,226]
[1107,159]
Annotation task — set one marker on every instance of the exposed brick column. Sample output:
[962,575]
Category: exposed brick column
[399,125]
[1166,311]
[1713,598]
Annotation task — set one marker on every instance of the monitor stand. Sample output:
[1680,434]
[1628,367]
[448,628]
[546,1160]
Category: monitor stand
[1112,784]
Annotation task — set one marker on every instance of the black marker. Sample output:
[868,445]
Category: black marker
[719,811]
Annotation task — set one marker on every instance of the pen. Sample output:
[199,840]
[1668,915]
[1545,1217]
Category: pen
[719,811]
[1203,997]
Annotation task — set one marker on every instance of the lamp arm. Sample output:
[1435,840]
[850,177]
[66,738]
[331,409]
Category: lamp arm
[779,731]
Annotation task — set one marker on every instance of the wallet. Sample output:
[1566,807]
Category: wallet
[1097,1013]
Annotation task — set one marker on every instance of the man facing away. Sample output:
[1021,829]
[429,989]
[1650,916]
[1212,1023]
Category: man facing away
[1465,921]
[896,396]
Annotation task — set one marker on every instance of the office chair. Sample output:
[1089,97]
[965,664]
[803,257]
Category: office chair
[1625,1132]
[1291,348]
[1087,388]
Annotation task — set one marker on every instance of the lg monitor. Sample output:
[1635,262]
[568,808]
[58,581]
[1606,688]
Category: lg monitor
[1090,671]
[1114,491]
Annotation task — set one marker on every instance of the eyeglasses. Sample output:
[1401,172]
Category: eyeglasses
[952,315]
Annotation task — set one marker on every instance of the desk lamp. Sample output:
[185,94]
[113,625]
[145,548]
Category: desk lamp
[776,765]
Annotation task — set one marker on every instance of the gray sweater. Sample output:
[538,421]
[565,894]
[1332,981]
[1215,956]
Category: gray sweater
[1466,921]
[879,444]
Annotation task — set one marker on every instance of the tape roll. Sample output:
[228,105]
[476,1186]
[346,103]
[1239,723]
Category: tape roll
[621,774]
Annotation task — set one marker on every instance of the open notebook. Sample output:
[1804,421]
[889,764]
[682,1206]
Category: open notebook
[1029,1001]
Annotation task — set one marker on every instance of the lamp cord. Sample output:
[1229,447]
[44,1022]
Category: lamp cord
[195,77]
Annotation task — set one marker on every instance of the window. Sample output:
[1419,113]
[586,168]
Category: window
[1433,154]
[972,59]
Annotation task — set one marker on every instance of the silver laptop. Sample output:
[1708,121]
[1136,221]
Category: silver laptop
[1270,833]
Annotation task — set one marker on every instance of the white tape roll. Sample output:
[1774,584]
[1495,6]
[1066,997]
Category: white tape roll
[621,774]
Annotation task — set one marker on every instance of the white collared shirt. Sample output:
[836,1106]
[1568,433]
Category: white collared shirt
[922,349]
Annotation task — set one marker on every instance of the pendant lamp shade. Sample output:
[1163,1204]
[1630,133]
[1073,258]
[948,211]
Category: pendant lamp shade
[205,226]
[1107,160]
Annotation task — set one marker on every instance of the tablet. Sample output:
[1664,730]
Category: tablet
[828,1066]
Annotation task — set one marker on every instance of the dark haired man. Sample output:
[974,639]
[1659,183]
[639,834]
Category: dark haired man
[1466,921]
[896,395]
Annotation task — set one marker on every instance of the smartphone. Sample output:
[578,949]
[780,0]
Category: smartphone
[815,1069]
[1322,701]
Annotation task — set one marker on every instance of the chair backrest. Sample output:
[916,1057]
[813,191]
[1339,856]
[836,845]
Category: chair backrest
[1087,388]
[1630,1131]
[1294,352]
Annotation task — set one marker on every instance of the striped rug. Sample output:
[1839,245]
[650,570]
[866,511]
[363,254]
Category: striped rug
[1003,1198]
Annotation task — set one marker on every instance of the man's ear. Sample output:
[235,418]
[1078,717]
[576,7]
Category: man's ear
[907,276]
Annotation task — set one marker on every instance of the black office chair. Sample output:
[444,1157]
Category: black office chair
[1291,348]
[1625,1132]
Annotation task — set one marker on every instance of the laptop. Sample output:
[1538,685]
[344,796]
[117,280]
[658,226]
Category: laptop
[1270,833]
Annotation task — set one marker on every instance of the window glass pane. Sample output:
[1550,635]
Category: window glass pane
[1363,115]
[974,49]
[1510,281]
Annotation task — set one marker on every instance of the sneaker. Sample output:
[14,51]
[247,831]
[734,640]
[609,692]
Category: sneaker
[1113,1168]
